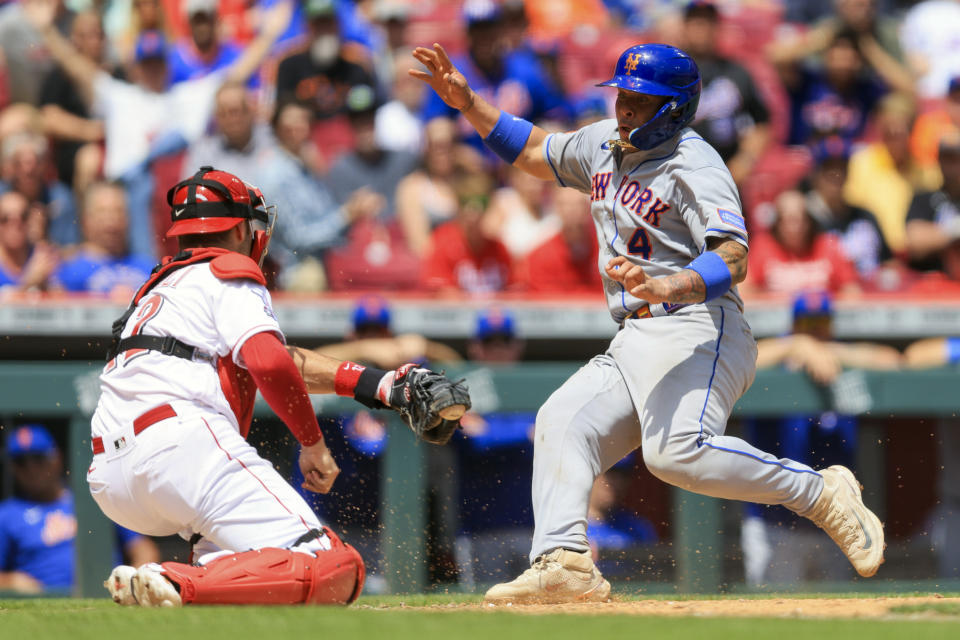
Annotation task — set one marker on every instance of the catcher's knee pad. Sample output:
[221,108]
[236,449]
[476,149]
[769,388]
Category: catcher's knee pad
[273,576]
[338,573]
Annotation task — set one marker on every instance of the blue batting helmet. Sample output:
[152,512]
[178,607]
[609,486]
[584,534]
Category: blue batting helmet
[659,70]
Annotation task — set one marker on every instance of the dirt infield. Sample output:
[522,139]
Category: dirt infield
[864,607]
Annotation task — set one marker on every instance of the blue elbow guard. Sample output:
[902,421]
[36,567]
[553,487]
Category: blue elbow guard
[715,274]
[508,136]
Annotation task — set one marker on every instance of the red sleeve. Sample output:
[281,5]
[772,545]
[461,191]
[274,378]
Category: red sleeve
[507,265]
[758,257]
[282,387]
[437,270]
[843,271]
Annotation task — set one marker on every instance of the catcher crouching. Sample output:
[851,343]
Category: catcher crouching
[169,450]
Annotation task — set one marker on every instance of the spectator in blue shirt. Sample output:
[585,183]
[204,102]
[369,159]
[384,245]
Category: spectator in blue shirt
[945,516]
[204,52]
[38,527]
[514,80]
[25,263]
[835,99]
[103,263]
[25,168]
[778,546]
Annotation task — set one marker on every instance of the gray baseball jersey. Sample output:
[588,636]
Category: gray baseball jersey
[667,383]
[656,208]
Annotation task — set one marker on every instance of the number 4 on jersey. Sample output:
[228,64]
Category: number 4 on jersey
[639,244]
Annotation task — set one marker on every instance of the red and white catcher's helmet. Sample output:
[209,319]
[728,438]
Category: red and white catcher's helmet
[212,201]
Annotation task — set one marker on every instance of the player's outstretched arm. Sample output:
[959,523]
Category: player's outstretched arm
[282,387]
[41,15]
[930,352]
[274,23]
[317,370]
[20,582]
[429,403]
[688,286]
[508,131]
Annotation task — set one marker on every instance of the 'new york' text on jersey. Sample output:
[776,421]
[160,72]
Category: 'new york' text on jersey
[656,207]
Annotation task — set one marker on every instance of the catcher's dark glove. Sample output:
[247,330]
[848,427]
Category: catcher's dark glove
[430,403]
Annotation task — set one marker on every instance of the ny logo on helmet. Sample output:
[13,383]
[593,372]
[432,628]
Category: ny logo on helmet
[631,63]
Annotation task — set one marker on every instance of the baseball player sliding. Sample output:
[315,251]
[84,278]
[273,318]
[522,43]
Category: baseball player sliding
[673,245]
[169,455]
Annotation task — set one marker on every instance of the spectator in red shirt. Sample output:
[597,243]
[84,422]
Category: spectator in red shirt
[567,261]
[461,258]
[796,256]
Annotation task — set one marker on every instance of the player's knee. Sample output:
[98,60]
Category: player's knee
[338,575]
[273,576]
[553,421]
[673,465]
[547,423]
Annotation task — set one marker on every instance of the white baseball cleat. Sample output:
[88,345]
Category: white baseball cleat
[118,584]
[152,589]
[556,577]
[841,513]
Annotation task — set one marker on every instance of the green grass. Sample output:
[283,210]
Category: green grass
[393,618]
[938,608]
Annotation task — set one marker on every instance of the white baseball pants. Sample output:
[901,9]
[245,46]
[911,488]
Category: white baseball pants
[194,474]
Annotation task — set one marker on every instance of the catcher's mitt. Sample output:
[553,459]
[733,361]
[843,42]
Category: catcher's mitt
[429,402]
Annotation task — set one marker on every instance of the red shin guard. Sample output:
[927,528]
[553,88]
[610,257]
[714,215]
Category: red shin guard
[273,576]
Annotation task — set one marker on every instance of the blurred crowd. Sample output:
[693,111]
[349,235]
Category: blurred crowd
[839,120]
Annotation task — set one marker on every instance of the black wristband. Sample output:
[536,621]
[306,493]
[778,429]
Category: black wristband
[366,390]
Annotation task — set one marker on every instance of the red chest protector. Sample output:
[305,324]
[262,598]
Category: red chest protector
[237,384]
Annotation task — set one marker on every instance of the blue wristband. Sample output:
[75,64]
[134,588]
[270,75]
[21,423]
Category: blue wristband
[953,350]
[715,273]
[508,136]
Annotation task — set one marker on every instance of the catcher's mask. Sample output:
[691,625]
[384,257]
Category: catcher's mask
[212,201]
[262,230]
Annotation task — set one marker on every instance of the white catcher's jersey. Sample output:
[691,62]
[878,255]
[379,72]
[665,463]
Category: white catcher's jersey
[655,207]
[195,306]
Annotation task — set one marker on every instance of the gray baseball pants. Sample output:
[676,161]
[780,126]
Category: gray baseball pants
[667,385]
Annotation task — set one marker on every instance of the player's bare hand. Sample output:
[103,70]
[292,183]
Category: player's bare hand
[625,272]
[318,467]
[634,279]
[684,287]
[39,13]
[443,77]
[363,204]
[820,362]
[656,290]
[21,582]
[41,265]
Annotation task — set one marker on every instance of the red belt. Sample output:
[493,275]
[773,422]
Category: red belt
[148,418]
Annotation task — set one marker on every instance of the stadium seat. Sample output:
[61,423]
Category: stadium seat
[779,168]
